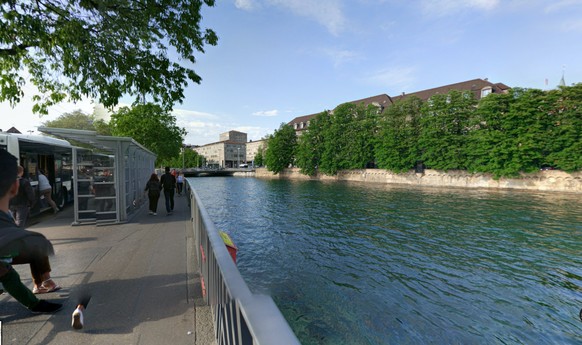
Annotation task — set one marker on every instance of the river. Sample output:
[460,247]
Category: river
[353,263]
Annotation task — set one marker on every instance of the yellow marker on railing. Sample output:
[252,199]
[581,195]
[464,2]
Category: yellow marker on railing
[232,249]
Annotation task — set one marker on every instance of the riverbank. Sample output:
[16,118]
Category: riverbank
[546,180]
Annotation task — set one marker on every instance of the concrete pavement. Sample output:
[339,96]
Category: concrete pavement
[142,278]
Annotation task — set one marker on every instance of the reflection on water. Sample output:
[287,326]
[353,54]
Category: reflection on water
[353,263]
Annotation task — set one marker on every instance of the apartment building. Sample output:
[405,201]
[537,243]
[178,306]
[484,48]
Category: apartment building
[479,87]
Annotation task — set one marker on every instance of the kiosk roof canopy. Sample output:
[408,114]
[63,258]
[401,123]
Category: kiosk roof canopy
[101,142]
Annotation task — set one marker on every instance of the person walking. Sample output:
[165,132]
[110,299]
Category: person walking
[45,190]
[153,188]
[15,241]
[20,205]
[180,182]
[168,182]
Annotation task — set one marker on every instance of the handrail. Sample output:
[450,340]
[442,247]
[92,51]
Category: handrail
[240,317]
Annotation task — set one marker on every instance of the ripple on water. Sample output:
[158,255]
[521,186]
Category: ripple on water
[371,264]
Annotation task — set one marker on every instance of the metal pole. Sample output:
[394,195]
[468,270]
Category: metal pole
[238,156]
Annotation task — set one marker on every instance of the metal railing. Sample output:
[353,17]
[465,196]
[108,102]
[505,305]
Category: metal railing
[240,317]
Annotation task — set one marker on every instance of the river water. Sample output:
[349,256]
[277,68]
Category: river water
[351,263]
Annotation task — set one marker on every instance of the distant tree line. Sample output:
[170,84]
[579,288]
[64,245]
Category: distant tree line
[149,124]
[523,130]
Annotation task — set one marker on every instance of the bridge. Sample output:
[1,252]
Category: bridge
[202,172]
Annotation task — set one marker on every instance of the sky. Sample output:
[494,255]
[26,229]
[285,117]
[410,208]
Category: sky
[280,59]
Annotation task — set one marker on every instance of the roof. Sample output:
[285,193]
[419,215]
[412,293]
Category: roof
[224,142]
[474,86]
[101,142]
[383,100]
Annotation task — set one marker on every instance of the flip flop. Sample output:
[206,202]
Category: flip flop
[45,289]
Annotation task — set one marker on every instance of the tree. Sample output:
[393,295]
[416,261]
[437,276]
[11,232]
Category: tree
[187,158]
[397,147]
[259,160]
[311,143]
[75,120]
[445,122]
[152,126]
[100,49]
[565,130]
[281,149]
[79,120]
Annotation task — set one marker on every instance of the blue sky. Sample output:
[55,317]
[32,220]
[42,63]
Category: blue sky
[279,59]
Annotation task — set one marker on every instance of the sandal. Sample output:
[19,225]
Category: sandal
[47,286]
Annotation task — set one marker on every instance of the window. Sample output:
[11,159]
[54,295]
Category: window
[485,91]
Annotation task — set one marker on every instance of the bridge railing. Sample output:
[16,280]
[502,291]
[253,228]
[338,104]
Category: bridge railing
[240,317]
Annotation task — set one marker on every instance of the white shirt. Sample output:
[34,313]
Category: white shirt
[43,183]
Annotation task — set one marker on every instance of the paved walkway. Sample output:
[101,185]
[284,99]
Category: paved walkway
[141,276]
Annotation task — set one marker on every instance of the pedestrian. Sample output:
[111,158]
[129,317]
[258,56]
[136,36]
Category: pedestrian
[45,190]
[168,182]
[15,241]
[20,205]
[180,182]
[153,188]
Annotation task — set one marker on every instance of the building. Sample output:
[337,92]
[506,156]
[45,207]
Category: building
[253,148]
[229,152]
[234,136]
[479,87]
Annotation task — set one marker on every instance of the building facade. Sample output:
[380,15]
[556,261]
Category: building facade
[479,87]
[229,152]
[253,148]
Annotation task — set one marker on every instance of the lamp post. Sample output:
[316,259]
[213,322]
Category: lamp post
[238,156]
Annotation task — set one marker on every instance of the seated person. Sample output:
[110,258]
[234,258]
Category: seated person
[15,242]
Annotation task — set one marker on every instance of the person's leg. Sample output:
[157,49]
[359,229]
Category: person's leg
[171,200]
[20,214]
[11,282]
[13,285]
[167,197]
[40,269]
[77,319]
[47,195]
[155,204]
[151,201]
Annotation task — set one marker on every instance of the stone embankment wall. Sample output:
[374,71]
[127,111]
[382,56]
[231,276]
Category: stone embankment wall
[547,180]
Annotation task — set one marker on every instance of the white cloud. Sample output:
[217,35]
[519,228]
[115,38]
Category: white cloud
[254,133]
[326,12]
[572,26]
[268,113]
[399,78]
[341,56]
[185,113]
[559,5]
[448,7]
[247,5]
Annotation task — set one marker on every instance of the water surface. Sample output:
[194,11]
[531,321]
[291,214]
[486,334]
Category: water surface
[351,263]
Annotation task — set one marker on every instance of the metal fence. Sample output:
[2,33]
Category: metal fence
[240,317]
